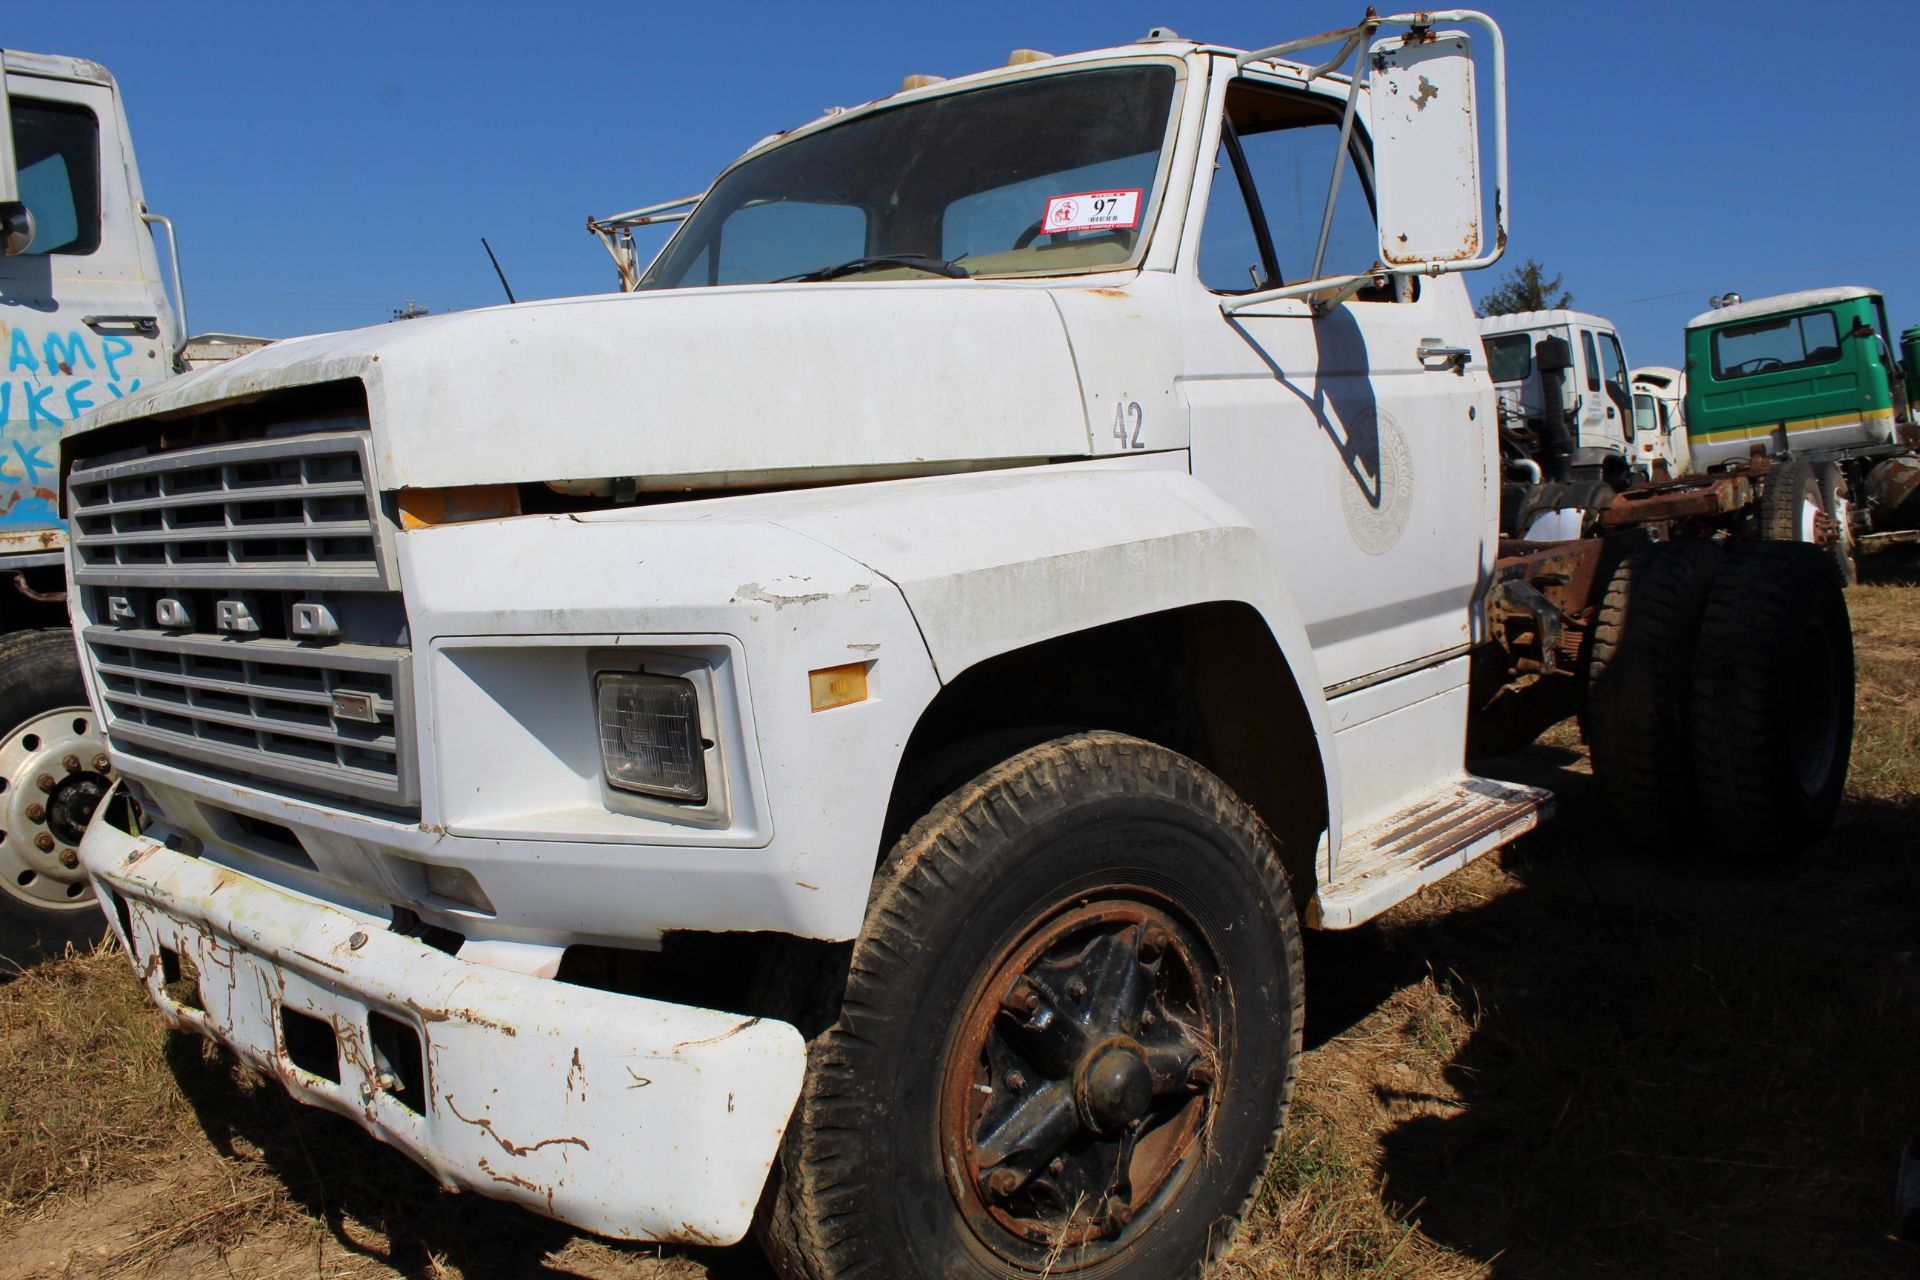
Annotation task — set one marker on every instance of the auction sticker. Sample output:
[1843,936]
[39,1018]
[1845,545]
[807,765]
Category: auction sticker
[1093,211]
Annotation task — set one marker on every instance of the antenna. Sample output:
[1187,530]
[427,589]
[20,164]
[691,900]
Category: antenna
[496,268]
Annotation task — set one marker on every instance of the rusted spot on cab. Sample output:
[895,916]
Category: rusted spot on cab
[1108,292]
[577,1075]
[507,1145]
[724,1035]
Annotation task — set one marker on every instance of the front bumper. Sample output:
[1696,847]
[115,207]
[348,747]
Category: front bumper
[628,1117]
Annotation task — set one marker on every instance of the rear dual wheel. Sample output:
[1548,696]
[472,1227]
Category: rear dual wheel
[1068,1035]
[1720,696]
[1772,699]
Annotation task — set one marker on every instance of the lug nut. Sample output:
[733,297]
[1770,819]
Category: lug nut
[1076,989]
[43,842]
[100,763]
[1200,1075]
[45,782]
[1002,1183]
[1021,998]
[1056,1166]
[36,813]
[69,858]
[1016,1081]
[72,763]
[1153,942]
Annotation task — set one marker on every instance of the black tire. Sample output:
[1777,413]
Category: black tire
[1639,727]
[1141,864]
[1773,699]
[1836,499]
[1791,495]
[43,909]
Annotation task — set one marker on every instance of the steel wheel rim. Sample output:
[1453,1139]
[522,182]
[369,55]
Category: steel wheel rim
[1095,1035]
[52,775]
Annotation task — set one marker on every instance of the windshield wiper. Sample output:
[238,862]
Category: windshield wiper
[917,261]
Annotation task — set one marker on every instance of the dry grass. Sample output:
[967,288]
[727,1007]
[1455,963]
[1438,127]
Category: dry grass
[1572,1059]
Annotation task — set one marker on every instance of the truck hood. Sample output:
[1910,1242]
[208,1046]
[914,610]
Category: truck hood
[698,388]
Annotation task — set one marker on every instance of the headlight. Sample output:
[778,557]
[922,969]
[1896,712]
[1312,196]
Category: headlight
[650,735]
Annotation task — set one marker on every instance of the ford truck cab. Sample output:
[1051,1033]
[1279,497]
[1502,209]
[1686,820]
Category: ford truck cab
[840,737]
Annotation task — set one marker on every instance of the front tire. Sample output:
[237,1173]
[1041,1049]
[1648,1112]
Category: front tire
[1068,1037]
[52,775]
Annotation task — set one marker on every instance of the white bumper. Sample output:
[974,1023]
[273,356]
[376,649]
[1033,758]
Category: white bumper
[628,1117]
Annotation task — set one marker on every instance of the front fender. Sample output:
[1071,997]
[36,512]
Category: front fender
[994,562]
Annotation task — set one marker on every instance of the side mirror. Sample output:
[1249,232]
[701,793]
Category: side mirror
[16,228]
[1861,329]
[1426,151]
[1425,167]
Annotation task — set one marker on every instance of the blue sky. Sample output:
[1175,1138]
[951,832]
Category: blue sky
[324,163]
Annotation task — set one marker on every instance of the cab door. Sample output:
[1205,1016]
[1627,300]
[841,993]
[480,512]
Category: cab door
[82,311]
[1359,441]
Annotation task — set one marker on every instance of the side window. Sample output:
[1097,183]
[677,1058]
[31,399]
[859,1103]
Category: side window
[1615,364]
[1229,253]
[1593,359]
[779,238]
[1645,415]
[1289,142]
[57,146]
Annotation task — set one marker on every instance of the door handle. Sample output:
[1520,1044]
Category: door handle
[1455,358]
[145,326]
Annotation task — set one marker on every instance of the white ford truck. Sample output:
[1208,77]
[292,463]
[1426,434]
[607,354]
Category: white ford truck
[841,739]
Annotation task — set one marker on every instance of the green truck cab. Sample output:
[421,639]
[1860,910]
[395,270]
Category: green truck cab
[1809,374]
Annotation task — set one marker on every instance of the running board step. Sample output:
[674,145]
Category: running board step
[1392,859]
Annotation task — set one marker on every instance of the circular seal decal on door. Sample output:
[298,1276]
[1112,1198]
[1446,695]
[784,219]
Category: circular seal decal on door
[1377,494]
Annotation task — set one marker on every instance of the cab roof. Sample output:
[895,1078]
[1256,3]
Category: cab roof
[1517,321]
[1754,308]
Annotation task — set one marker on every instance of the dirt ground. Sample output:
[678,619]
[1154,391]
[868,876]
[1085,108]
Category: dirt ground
[1571,1059]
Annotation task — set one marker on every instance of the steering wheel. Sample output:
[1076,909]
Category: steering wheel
[1759,364]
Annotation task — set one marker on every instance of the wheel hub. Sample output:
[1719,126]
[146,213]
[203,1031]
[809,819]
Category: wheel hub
[1079,1080]
[53,774]
[1113,1087]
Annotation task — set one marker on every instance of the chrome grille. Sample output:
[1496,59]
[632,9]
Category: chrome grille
[266,708]
[291,517]
[298,511]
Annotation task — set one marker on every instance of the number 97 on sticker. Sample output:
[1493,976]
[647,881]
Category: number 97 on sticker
[1092,211]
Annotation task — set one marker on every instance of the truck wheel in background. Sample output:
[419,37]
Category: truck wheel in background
[1791,502]
[1069,1031]
[52,776]
[1773,699]
[1638,725]
[1836,499]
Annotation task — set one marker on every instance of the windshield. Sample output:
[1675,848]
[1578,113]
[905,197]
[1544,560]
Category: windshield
[1509,356]
[1048,174]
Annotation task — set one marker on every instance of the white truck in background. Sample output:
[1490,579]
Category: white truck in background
[85,319]
[1660,443]
[1577,387]
[841,738]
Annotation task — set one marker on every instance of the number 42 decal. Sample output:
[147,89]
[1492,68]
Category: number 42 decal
[1127,413]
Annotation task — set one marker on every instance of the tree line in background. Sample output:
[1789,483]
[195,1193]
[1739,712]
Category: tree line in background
[1525,288]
